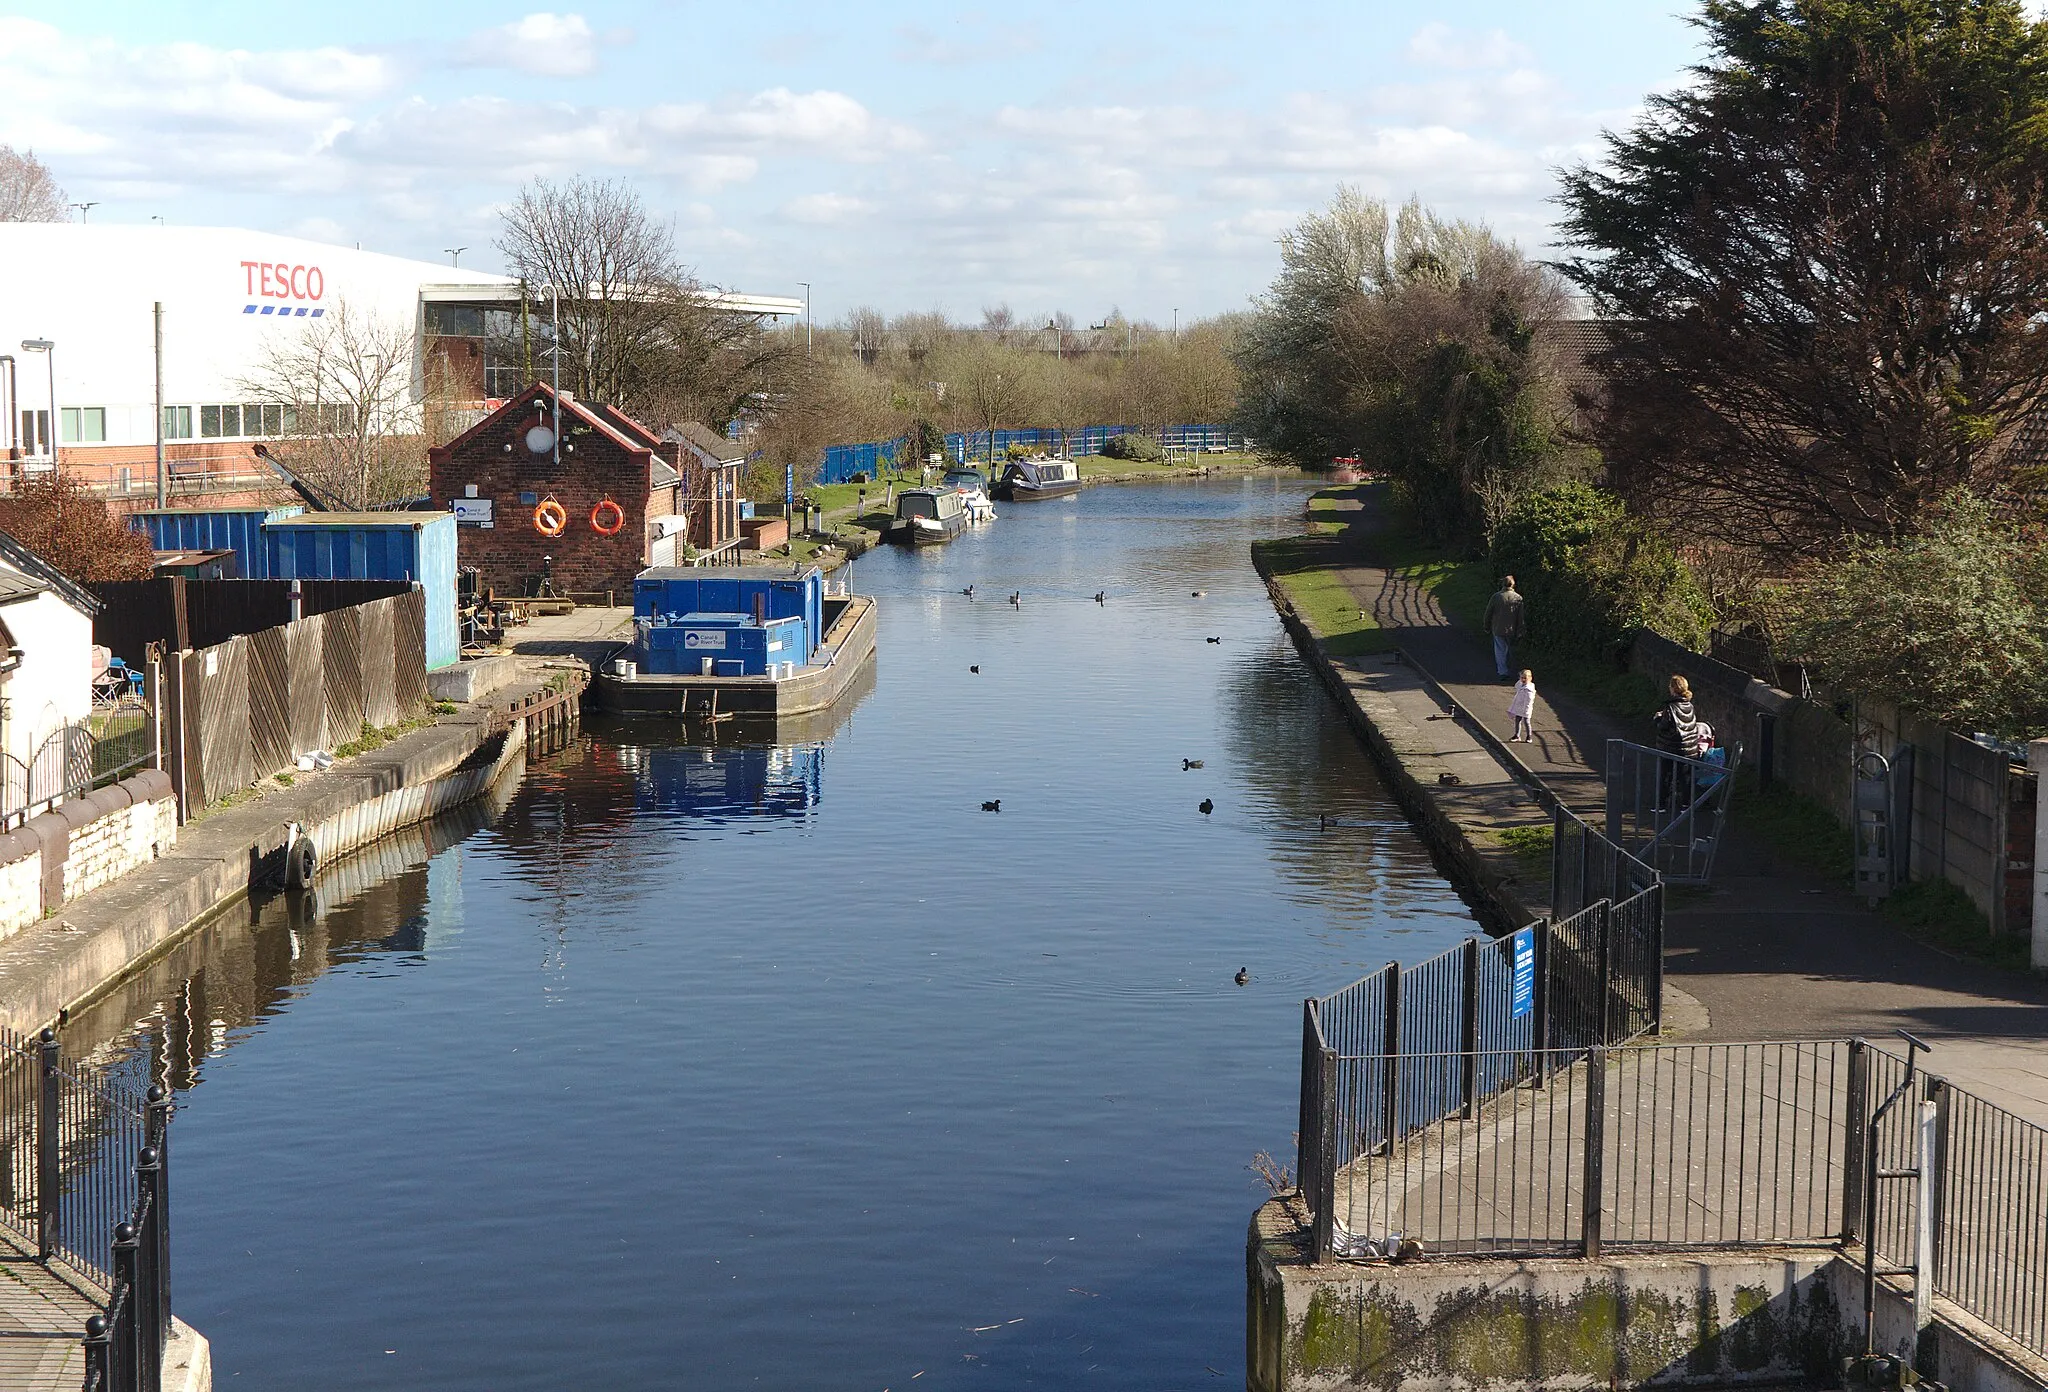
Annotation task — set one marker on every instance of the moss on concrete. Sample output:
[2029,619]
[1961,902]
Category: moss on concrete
[1328,1339]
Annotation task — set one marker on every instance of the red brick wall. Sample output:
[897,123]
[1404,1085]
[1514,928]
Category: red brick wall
[593,468]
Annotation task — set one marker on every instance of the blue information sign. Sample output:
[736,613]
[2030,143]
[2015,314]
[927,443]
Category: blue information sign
[1525,972]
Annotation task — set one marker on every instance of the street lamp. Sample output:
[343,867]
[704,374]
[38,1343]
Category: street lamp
[807,316]
[1058,342]
[84,208]
[455,254]
[49,350]
[1176,325]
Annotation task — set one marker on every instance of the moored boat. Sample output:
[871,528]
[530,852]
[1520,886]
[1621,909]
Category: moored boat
[1029,480]
[926,516]
[973,490]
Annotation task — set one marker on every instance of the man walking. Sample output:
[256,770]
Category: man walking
[1504,622]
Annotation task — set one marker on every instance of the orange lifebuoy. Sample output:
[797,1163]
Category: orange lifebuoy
[550,518]
[618,518]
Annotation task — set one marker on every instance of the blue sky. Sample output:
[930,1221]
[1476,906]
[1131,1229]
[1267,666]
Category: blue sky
[905,155]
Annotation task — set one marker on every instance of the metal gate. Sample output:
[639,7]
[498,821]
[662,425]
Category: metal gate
[1667,810]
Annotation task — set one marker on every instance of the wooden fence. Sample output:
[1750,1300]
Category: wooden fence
[190,614]
[246,708]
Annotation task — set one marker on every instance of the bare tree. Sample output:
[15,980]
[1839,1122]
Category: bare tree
[638,329]
[995,386]
[867,327]
[28,191]
[352,428]
[998,323]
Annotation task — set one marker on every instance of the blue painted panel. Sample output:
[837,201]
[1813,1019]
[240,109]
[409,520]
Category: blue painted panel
[239,530]
[418,547]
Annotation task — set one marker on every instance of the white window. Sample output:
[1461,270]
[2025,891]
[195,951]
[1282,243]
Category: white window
[83,425]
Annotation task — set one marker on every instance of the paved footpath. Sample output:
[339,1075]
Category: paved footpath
[1771,950]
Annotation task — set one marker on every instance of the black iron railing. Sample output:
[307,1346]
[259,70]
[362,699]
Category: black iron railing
[1524,1151]
[85,1185]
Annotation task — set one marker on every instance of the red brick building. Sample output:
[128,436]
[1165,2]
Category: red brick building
[495,475]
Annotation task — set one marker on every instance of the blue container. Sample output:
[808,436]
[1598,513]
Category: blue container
[239,530]
[415,546]
[668,592]
[734,647]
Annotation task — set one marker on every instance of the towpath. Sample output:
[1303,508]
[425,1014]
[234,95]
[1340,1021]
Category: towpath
[1771,950]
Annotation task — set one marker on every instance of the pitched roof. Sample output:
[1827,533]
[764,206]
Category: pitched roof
[1575,343]
[14,554]
[706,442]
[615,425]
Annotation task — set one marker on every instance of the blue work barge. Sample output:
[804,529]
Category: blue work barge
[737,640]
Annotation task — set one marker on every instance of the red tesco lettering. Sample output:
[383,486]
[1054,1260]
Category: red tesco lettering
[281,280]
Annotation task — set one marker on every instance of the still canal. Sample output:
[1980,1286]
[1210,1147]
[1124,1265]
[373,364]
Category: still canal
[709,1062]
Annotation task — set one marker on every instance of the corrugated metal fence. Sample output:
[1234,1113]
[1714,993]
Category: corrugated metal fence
[249,707]
[842,462]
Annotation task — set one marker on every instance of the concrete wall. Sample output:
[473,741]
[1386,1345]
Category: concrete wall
[1961,791]
[1723,1318]
[83,844]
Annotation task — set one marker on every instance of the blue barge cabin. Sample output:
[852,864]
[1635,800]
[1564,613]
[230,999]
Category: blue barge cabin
[738,640]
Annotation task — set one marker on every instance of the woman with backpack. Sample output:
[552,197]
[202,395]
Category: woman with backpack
[1678,732]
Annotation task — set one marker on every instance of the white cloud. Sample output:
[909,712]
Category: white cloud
[824,209]
[1438,45]
[544,44]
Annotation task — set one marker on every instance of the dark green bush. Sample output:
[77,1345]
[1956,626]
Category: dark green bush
[1141,449]
[1592,575]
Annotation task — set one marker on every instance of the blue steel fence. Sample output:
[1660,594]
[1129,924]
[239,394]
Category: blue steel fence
[842,462]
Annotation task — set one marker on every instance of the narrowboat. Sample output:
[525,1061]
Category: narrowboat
[925,516]
[1028,480]
[973,490]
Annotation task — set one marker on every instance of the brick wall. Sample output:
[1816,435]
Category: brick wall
[593,468]
[82,845]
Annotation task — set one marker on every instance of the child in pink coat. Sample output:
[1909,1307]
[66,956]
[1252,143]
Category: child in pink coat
[1523,705]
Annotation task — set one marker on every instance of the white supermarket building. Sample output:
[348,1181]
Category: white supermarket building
[78,358]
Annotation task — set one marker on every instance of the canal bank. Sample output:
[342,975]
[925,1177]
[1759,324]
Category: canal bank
[984,1085]
[1456,783]
[206,867]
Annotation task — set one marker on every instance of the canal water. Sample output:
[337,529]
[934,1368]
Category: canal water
[704,1060]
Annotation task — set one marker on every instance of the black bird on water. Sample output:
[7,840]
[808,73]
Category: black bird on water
[974,669]
[1212,640]
[1199,593]
[1243,975]
[1207,807]
[1017,599]
[1190,764]
[1101,595]
[969,592]
[995,806]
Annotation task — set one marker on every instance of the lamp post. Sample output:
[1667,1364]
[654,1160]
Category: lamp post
[807,316]
[455,255]
[84,208]
[555,314]
[1058,341]
[49,351]
[1176,325]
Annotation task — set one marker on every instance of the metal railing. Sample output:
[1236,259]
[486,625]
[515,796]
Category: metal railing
[1988,1189]
[1669,811]
[84,1182]
[1673,1145]
[1523,1151]
[1407,1047]
[1586,867]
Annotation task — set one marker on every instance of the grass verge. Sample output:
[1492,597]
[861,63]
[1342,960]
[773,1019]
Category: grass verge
[1531,846]
[1302,568]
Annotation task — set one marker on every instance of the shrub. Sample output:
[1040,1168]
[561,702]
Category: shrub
[1951,622]
[1139,449]
[1015,451]
[1593,575]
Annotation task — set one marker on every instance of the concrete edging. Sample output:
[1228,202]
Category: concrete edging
[101,937]
[1478,874]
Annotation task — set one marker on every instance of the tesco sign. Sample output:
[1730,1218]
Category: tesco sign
[280,280]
